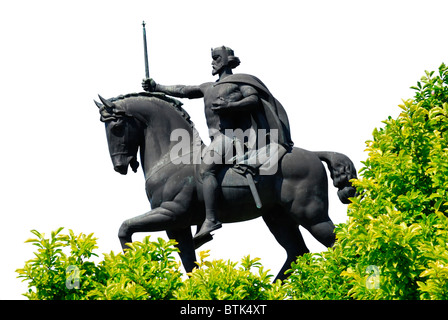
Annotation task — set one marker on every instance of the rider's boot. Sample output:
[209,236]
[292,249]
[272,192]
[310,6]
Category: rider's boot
[210,191]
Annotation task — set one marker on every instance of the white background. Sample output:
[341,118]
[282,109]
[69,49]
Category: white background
[338,67]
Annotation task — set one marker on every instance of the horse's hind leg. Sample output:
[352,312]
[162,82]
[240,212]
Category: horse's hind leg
[287,234]
[323,231]
[317,221]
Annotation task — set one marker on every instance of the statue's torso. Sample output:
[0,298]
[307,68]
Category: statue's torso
[229,92]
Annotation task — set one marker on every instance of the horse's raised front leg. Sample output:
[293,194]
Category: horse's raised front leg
[157,219]
[172,213]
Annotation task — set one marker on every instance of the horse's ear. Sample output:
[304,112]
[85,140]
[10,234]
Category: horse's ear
[107,103]
[99,105]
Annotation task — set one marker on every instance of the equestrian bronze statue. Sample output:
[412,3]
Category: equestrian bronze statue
[250,169]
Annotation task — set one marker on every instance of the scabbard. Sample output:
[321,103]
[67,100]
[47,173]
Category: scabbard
[253,189]
[250,179]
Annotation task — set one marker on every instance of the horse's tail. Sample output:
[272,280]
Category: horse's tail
[342,171]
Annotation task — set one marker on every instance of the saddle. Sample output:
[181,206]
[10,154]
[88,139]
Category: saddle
[263,161]
[243,167]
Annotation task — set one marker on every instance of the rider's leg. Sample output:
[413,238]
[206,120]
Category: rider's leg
[210,165]
[210,189]
[211,193]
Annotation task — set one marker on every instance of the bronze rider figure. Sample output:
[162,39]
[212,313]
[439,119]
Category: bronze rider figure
[232,102]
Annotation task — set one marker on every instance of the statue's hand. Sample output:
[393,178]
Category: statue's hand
[219,105]
[149,85]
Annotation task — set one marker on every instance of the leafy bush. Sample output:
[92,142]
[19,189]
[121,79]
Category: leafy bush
[146,271]
[397,226]
[222,280]
[49,273]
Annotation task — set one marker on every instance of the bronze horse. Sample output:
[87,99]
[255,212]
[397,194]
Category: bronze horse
[297,194]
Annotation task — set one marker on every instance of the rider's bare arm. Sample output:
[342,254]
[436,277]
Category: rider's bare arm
[179,91]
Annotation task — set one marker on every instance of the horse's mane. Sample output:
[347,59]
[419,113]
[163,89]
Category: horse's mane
[174,103]
[108,113]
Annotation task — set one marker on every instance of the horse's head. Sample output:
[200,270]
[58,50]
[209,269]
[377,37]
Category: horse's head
[123,133]
[151,122]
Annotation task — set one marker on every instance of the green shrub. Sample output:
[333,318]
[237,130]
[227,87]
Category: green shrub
[146,271]
[223,280]
[54,274]
[397,226]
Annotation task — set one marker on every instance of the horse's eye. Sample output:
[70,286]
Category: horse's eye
[118,129]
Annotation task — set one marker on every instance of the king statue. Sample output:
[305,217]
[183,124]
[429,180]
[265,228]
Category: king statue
[234,101]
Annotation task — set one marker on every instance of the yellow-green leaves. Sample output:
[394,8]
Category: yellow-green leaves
[147,270]
[47,273]
[398,222]
[226,280]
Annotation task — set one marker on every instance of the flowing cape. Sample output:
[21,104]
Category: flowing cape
[273,115]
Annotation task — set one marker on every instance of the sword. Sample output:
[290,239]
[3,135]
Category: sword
[248,175]
[145,47]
